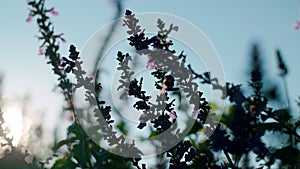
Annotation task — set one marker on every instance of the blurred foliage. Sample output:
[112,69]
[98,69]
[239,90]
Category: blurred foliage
[11,157]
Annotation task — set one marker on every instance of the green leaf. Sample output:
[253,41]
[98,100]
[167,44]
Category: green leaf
[282,115]
[196,127]
[80,154]
[64,163]
[263,127]
[288,156]
[61,143]
[122,127]
[76,129]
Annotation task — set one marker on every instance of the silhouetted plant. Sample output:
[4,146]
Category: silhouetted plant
[81,148]
[240,132]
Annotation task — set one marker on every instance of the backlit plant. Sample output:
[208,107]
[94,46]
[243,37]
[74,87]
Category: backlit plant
[232,142]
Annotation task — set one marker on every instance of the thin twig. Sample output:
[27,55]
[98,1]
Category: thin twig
[109,35]
[286,93]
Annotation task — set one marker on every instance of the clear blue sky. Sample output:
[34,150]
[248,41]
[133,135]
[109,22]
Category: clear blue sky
[232,26]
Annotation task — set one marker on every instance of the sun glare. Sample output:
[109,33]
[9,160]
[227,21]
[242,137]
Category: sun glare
[14,121]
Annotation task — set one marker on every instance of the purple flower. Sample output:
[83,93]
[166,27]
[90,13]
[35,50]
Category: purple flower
[42,50]
[297,26]
[173,115]
[150,64]
[59,36]
[66,90]
[175,28]
[195,114]
[61,64]
[63,40]
[29,19]
[53,12]
[143,115]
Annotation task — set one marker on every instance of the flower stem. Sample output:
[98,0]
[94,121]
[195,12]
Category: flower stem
[228,158]
[288,105]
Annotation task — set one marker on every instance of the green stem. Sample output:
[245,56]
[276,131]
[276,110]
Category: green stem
[286,93]
[288,105]
[228,158]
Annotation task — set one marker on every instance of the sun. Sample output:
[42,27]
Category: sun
[14,121]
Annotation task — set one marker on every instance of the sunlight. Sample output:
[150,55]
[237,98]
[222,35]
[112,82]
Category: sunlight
[14,121]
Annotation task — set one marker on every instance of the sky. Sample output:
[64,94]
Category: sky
[232,27]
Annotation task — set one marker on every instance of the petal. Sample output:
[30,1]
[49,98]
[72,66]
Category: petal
[29,19]
[42,50]
[195,114]
[173,115]
[176,28]
[54,13]
[150,65]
